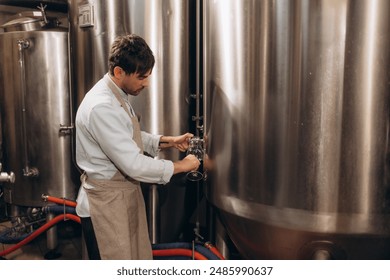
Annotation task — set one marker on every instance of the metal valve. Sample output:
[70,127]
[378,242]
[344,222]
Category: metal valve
[5,177]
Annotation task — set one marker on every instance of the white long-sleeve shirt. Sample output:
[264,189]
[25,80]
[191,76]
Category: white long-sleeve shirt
[104,143]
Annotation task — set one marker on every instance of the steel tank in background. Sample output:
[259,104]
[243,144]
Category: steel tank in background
[164,106]
[297,126]
[36,109]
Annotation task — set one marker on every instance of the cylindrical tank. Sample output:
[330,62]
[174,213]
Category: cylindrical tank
[297,126]
[36,113]
[164,105]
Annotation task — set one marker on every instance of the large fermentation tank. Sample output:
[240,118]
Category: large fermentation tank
[35,110]
[164,105]
[297,126]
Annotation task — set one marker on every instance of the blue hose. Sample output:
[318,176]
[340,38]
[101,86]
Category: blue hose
[185,245]
[59,209]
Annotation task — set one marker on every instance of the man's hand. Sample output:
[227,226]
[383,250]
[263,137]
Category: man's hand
[179,142]
[189,163]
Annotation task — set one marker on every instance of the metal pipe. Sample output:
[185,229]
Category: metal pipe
[153,217]
[27,171]
[51,233]
[70,129]
[198,118]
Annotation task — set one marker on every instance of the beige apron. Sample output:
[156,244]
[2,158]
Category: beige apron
[117,210]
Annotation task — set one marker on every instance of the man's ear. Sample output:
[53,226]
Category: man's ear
[118,72]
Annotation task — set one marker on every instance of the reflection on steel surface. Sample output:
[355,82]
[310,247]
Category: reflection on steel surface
[35,99]
[297,124]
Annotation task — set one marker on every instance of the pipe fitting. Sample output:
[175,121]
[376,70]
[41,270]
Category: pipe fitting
[9,178]
[23,44]
[30,172]
[5,177]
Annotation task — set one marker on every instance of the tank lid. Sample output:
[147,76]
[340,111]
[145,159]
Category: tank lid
[29,21]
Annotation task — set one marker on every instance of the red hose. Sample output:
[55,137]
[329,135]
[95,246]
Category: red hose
[178,252]
[40,230]
[59,218]
[59,200]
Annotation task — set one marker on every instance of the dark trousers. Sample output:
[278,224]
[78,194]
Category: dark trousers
[90,239]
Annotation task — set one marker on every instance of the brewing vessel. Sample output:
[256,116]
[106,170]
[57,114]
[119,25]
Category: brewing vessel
[35,102]
[297,126]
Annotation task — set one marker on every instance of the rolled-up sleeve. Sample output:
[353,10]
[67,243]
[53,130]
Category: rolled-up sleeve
[151,143]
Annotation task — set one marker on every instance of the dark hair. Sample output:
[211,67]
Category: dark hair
[132,54]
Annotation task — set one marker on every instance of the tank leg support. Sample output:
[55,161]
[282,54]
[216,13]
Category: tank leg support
[51,240]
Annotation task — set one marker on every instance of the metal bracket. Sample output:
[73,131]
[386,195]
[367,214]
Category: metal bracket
[66,129]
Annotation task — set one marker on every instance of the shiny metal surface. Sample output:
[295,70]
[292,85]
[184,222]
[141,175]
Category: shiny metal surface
[297,125]
[6,13]
[164,107]
[32,117]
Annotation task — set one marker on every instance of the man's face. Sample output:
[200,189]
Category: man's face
[134,83]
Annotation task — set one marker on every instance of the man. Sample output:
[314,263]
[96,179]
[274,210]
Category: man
[109,148]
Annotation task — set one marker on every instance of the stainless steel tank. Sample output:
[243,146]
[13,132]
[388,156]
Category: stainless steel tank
[164,106]
[36,113]
[297,126]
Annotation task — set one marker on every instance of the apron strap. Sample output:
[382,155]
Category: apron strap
[134,117]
